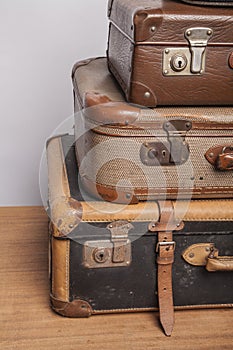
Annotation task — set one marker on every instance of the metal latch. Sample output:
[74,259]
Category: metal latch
[198,39]
[175,151]
[190,60]
[115,252]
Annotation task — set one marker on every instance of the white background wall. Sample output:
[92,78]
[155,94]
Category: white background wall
[40,40]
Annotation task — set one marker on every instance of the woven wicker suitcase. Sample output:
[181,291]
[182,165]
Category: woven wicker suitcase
[111,258]
[127,153]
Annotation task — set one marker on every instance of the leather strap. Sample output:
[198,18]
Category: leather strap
[165,258]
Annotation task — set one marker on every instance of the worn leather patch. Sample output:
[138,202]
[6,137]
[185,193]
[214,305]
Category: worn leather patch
[231,60]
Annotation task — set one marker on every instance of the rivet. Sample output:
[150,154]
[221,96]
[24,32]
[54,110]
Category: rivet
[147,94]
[165,72]
[191,255]
[188,32]
[126,122]
[207,249]
[153,225]
[71,226]
[110,226]
[167,51]
[201,71]
[177,225]
[153,29]
[128,195]
[188,125]
[211,155]
[209,32]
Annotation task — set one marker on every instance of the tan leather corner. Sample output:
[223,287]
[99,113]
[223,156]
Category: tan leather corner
[66,212]
[101,109]
[76,308]
[60,269]
[66,215]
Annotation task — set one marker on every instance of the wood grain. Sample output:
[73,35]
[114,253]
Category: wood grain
[27,322]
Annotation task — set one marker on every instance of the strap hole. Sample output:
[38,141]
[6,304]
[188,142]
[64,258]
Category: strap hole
[164,288]
[167,249]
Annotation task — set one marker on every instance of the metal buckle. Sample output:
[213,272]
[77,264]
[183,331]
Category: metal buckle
[164,244]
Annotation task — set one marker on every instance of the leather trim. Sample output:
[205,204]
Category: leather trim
[60,269]
[66,212]
[77,308]
[213,153]
[110,193]
[205,254]
[204,210]
[197,254]
[176,308]
[101,109]
[108,212]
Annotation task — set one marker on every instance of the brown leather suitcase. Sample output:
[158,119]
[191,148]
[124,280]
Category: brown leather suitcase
[103,255]
[166,52]
[127,153]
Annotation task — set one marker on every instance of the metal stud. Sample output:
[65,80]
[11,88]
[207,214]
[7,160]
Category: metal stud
[209,32]
[153,29]
[71,226]
[191,255]
[166,71]
[188,32]
[147,94]
[167,51]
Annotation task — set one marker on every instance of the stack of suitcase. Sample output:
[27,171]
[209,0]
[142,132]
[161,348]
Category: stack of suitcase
[141,196]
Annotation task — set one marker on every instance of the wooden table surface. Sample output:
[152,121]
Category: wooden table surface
[27,322]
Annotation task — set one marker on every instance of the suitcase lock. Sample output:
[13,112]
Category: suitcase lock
[113,252]
[174,151]
[188,61]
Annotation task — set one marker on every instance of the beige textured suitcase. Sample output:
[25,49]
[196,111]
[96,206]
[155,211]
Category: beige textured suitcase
[127,153]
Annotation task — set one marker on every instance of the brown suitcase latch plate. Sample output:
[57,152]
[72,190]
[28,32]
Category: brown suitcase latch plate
[221,157]
[188,60]
[175,151]
[115,252]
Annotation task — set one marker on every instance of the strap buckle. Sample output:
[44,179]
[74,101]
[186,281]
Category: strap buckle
[165,244]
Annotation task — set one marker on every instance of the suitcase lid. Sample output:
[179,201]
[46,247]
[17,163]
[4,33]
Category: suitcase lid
[107,112]
[166,22]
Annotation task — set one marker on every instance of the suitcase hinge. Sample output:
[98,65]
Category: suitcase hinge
[175,151]
[115,252]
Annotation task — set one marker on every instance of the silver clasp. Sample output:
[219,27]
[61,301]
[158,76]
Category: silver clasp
[198,39]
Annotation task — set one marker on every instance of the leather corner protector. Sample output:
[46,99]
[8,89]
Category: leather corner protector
[77,308]
[101,109]
[142,95]
[197,254]
[66,214]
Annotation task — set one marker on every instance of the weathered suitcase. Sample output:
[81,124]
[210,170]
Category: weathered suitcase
[127,153]
[166,52]
[215,3]
[103,255]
